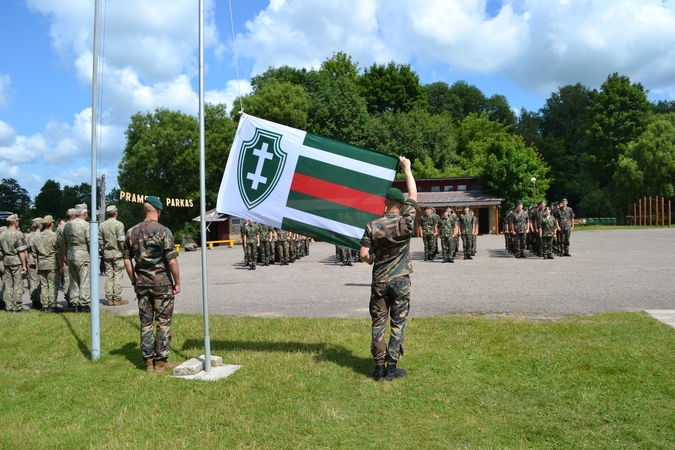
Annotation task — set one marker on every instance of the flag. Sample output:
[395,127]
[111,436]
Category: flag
[301,182]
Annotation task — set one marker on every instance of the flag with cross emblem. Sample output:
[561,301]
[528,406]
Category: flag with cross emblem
[304,183]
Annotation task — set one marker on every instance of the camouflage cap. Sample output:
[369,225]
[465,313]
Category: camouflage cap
[541,201]
[70,212]
[81,208]
[13,218]
[563,200]
[37,220]
[46,220]
[110,210]
[157,203]
[428,207]
[396,195]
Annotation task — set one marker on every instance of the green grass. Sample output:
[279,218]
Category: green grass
[601,381]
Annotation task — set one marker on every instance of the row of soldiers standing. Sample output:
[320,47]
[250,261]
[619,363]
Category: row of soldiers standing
[542,230]
[45,256]
[449,227]
[266,244]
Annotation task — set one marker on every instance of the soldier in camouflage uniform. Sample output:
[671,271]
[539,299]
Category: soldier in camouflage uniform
[386,245]
[474,234]
[466,228]
[151,262]
[76,249]
[548,226]
[265,243]
[44,249]
[13,252]
[449,231]
[566,215]
[281,238]
[520,226]
[32,275]
[429,228]
[2,274]
[252,242]
[63,272]
[111,238]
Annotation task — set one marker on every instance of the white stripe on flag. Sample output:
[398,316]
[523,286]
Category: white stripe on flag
[311,219]
[348,163]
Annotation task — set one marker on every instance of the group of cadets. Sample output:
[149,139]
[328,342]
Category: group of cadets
[52,257]
[449,227]
[542,230]
[265,244]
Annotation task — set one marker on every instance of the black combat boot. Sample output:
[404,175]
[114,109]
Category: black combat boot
[378,374]
[393,372]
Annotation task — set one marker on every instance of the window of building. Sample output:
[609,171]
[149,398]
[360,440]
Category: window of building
[448,188]
[236,222]
[461,187]
[435,189]
[475,187]
[421,189]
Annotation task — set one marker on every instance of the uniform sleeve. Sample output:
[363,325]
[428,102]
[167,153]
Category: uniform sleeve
[367,239]
[168,245]
[127,252]
[408,211]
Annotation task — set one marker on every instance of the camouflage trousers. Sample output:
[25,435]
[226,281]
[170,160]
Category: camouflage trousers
[265,251]
[283,250]
[155,309]
[13,279]
[520,243]
[66,283]
[251,253]
[114,268]
[564,236]
[389,299]
[448,246]
[474,247]
[33,283]
[467,241]
[80,285]
[49,287]
[547,243]
[429,244]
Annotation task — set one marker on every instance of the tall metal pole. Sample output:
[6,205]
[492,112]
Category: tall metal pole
[93,220]
[202,191]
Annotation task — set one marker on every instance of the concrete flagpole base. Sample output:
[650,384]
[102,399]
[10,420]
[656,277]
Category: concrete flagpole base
[193,369]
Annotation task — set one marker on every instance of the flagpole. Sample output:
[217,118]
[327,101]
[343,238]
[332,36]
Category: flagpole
[93,219]
[202,191]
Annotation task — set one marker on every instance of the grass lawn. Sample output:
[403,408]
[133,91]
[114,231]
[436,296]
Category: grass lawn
[600,381]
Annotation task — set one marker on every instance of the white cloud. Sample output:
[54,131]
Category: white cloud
[7,134]
[5,81]
[23,149]
[229,94]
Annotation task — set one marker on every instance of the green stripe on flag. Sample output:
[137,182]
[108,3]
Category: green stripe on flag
[329,210]
[321,234]
[350,151]
[343,177]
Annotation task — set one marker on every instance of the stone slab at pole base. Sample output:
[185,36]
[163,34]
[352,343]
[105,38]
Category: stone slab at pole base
[193,369]
[666,316]
[217,373]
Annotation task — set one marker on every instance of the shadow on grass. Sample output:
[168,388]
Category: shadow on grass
[322,352]
[84,348]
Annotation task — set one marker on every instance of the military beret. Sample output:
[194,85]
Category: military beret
[563,200]
[112,209]
[46,220]
[466,206]
[519,203]
[428,207]
[37,220]
[396,195]
[541,201]
[70,212]
[13,218]
[157,203]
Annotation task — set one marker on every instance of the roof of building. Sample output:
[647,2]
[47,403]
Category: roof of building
[212,216]
[459,198]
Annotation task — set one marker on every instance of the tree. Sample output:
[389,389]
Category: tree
[49,200]
[282,74]
[509,167]
[663,107]
[391,88]
[281,102]
[473,136]
[15,199]
[497,108]
[467,99]
[75,195]
[439,98]
[340,66]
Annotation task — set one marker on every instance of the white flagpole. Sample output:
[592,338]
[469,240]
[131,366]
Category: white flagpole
[202,190]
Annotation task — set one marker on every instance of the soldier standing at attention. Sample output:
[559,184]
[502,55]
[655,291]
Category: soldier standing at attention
[252,242]
[265,243]
[429,232]
[474,234]
[2,274]
[151,262]
[46,264]
[14,255]
[111,238]
[520,226]
[548,225]
[466,227]
[386,245]
[60,256]
[33,278]
[449,231]
[281,238]
[566,215]
[76,249]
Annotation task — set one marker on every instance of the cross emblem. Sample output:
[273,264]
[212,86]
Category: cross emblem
[256,177]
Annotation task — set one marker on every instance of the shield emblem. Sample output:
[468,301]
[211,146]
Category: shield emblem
[260,165]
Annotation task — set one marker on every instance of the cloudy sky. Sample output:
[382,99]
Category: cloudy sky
[523,49]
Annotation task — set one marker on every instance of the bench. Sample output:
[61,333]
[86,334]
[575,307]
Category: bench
[224,241]
[176,247]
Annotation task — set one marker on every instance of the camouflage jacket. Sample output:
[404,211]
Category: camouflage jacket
[251,231]
[448,225]
[30,239]
[76,238]
[282,235]
[44,249]
[548,225]
[566,216]
[466,223]
[520,221]
[110,234]
[428,224]
[265,232]
[388,239]
[12,242]
[151,246]
[475,220]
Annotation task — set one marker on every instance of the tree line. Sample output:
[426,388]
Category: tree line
[602,148]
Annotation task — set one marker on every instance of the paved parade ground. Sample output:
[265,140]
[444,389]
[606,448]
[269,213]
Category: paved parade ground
[610,270]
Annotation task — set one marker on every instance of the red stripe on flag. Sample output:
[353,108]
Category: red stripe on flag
[335,193]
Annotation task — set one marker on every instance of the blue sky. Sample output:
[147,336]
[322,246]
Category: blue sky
[523,49]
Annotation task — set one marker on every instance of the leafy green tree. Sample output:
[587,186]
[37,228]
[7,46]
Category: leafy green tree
[49,200]
[440,99]
[15,199]
[282,74]
[467,99]
[75,195]
[281,102]
[509,167]
[473,136]
[663,107]
[340,65]
[391,88]
[497,108]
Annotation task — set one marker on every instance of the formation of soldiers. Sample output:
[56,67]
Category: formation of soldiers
[265,245]
[450,227]
[542,230]
[50,259]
